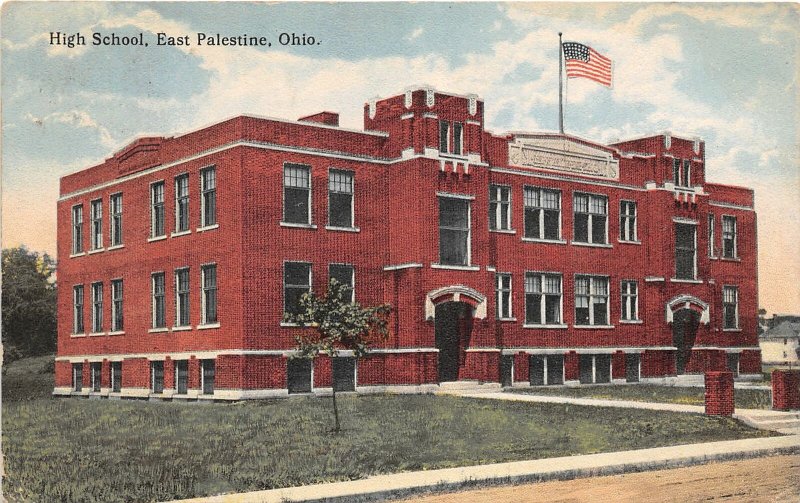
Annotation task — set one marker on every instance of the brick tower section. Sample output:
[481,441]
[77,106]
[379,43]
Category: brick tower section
[785,389]
[719,393]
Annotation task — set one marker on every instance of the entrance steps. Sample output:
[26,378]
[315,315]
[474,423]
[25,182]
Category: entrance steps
[456,387]
[787,423]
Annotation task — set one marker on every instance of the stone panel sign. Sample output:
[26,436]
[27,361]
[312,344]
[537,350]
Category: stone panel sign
[562,154]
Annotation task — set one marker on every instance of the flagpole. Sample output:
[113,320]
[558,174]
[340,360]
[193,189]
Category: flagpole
[560,85]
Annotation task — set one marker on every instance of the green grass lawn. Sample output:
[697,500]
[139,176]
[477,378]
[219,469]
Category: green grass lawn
[744,398]
[100,450]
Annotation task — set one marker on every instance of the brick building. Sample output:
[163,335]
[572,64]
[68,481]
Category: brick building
[516,258]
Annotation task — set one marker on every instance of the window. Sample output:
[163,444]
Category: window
[77,376]
[182,203]
[115,208]
[444,137]
[208,196]
[458,138]
[77,309]
[591,300]
[687,173]
[542,299]
[730,307]
[296,282]
[454,236]
[627,221]
[711,236]
[97,224]
[676,172]
[207,372]
[77,229]
[182,297]
[208,278]
[97,307]
[296,194]
[728,236]
[499,207]
[116,305]
[340,198]
[116,377]
[503,290]
[181,377]
[95,373]
[157,210]
[685,251]
[159,300]
[157,377]
[345,275]
[630,301]
[542,213]
[591,219]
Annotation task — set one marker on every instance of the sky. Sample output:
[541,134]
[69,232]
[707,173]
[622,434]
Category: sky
[725,72]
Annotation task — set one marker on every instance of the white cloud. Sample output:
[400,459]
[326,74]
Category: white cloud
[78,119]
[416,33]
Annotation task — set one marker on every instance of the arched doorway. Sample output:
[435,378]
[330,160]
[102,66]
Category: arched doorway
[684,332]
[453,325]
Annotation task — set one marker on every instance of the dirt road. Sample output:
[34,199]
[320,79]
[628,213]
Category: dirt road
[761,480]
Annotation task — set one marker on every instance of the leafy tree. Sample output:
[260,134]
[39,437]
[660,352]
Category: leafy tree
[338,324]
[29,303]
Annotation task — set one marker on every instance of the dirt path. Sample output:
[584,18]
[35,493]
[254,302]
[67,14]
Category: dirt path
[761,480]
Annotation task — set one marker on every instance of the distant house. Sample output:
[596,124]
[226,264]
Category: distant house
[781,344]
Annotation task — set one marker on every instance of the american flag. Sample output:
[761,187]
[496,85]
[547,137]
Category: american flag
[583,61]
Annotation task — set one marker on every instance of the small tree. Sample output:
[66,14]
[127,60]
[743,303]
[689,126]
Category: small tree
[338,324]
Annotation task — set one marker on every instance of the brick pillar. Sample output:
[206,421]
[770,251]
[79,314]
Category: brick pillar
[719,393]
[785,389]
[87,376]
[521,367]
[169,373]
[618,365]
[63,375]
[135,373]
[571,366]
[194,373]
[105,374]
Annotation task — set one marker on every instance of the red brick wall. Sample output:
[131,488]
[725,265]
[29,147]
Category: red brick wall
[785,389]
[323,376]
[571,366]
[706,359]
[719,393]
[136,373]
[481,366]
[750,361]
[618,365]
[658,363]
[264,371]
[522,367]
[63,374]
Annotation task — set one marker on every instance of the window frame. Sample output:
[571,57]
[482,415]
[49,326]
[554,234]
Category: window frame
[352,284]
[693,225]
[712,223]
[77,377]
[625,218]
[117,298]
[115,219]
[541,212]
[205,289]
[734,237]
[208,193]
[158,210]
[95,376]
[676,171]
[180,295]
[726,304]
[496,201]
[77,229]
[543,293]
[591,296]
[308,190]
[204,365]
[156,298]
[626,296]
[97,307]
[78,301]
[115,380]
[458,138]
[352,194]
[590,238]
[96,217]
[285,285]
[182,203]
[153,365]
[467,200]
[502,305]
[444,142]
[686,176]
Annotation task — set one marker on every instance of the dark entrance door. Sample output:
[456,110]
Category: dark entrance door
[536,370]
[453,325]
[684,333]
[632,367]
[733,363]
[344,373]
[555,369]
[298,372]
[585,368]
[181,376]
[506,370]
